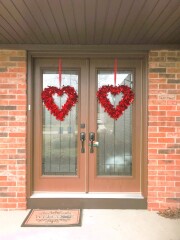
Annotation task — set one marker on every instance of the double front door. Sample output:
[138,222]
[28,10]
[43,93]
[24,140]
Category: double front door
[89,151]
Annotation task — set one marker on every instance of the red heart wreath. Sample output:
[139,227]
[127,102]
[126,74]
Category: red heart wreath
[115,112]
[47,97]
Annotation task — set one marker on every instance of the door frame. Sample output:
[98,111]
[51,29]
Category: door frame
[98,52]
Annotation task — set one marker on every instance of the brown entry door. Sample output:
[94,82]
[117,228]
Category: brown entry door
[88,151]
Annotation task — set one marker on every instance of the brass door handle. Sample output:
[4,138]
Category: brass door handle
[91,139]
[82,139]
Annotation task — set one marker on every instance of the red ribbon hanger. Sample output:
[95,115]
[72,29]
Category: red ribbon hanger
[60,71]
[115,70]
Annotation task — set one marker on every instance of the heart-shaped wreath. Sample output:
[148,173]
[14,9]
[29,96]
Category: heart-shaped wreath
[115,112]
[47,97]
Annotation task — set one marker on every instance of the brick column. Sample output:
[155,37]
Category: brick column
[12,129]
[164,130]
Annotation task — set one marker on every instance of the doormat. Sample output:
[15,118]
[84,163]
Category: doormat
[53,218]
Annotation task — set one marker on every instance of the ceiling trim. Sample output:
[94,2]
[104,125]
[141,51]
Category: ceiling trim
[90,48]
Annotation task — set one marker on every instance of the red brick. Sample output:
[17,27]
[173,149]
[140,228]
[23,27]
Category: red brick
[157,156]
[152,162]
[168,108]
[17,92]
[166,161]
[152,140]
[152,173]
[155,145]
[158,135]
[153,75]
[153,206]
[157,124]
[157,113]
[158,80]
[19,108]
[173,70]
[173,113]
[17,69]
[21,86]
[8,183]
[177,184]
[173,178]
[4,102]
[18,113]
[12,200]
[173,167]
[175,135]
[152,194]
[3,178]
[167,86]
[21,64]
[153,108]
[7,86]
[152,151]
[166,194]
[156,178]
[21,195]
[172,102]
[153,119]
[17,134]
[3,200]
[157,189]
[8,206]
[167,205]
[22,205]
[157,92]
[17,102]
[176,156]
[153,102]
[172,189]
[173,124]
[17,123]
[166,140]
[167,129]
[166,183]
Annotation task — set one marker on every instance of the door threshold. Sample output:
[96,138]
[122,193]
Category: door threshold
[57,200]
[104,195]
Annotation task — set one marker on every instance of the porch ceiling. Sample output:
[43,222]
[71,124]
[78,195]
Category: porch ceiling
[89,22]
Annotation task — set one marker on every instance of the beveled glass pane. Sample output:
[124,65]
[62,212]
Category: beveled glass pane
[114,154]
[60,137]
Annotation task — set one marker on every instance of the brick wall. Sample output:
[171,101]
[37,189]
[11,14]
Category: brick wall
[164,130]
[12,129]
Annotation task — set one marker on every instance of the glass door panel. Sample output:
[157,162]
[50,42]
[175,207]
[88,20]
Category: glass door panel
[114,153]
[60,137]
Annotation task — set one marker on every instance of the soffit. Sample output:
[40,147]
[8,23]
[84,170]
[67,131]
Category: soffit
[90,22]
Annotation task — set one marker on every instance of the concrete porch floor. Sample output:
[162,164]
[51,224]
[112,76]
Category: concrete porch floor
[96,225]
